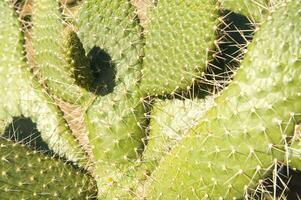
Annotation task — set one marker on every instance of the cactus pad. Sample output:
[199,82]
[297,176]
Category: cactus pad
[27,174]
[21,95]
[180,38]
[237,141]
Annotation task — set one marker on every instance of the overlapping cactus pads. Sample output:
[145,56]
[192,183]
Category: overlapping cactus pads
[142,99]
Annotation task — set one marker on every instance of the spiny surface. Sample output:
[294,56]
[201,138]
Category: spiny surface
[78,64]
[51,62]
[170,120]
[114,121]
[113,27]
[168,125]
[27,174]
[180,38]
[256,10]
[236,142]
[21,95]
[294,151]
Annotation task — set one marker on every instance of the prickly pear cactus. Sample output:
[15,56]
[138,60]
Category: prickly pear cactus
[53,60]
[21,95]
[256,10]
[27,174]
[180,38]
[121,93]
[170,120]
[221,156]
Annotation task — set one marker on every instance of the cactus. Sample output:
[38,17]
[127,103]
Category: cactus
[231,129]
[170,120]
[256,10]
[294,151]
[21,95]
[78,63]
[116,139]
[180,38]
[27,174]
[124,97]
[52,61]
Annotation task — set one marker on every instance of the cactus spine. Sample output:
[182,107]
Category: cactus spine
[180,38]
[27,174]
[121,76]
[116,138]
[231,129]
[52,61]
[21,95]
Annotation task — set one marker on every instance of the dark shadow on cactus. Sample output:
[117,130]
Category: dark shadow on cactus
[234,33]
[287,186]
[25,131]
[104,71]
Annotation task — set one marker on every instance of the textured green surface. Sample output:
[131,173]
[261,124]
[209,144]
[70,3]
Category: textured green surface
[51,62]
[114,121]
[115,133]
[256,10]
[295,154]
[236,142]
[78,64]
[27,174]
[170,120]
[113,27]
[21,95]
[180,39]
[166,114]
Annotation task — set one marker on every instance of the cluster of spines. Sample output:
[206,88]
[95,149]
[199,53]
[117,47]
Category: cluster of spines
[115,121]
[256,10]
[21,94]
[125,95]
[180,40]
[170,121]
[78,64]
[241,138]
[28,174]
[52,56]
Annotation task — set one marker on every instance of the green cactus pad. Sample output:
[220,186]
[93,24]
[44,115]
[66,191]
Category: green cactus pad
[256,10]
[180,38]
[235,143]
[166,114]
[21,95]
[115,124]
[27,174]
[294,151]
[52,64]
[170,120]
[112,25]
[295,157]
[115,120]
[78,64]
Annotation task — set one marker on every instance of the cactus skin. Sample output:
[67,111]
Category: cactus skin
[180,36]
[178,114]
[256,10]
[133,177]
[115,120]
[294,151]
[113,26]
[170,120]
[27,174]
[51,62]
[238,139]
[21,95]
[78,64]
